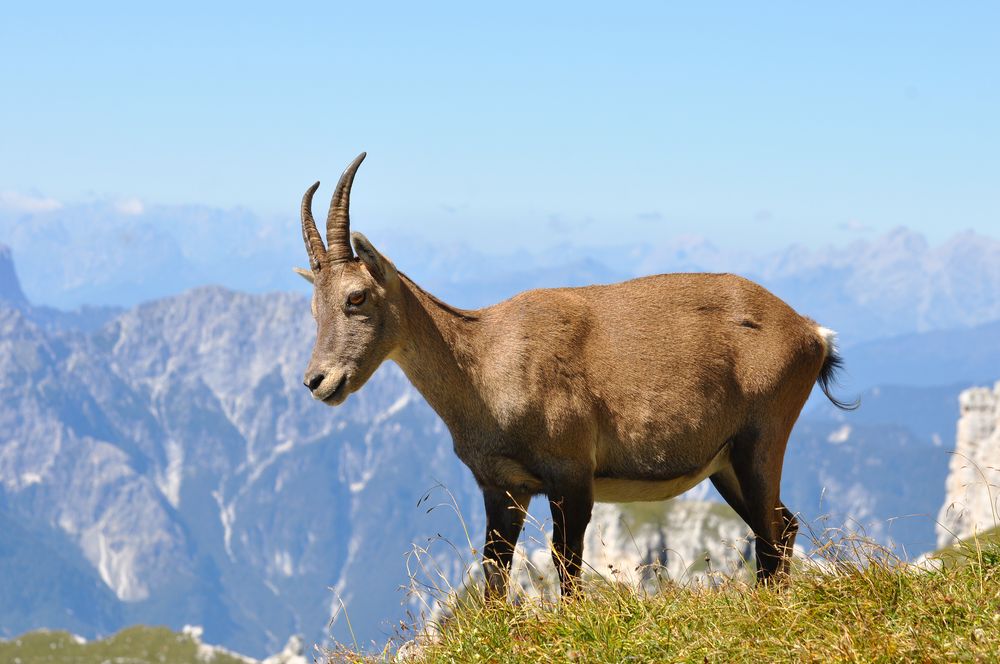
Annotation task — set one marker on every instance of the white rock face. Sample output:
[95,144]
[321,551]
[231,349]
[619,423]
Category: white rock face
[643,544]
[681,539]
[291,654]
[972,491]
[209,653]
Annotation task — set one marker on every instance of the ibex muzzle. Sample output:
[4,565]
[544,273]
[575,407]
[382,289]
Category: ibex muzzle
[623,392]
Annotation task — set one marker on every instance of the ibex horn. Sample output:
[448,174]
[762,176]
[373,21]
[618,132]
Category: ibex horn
[311,236]
[338,221]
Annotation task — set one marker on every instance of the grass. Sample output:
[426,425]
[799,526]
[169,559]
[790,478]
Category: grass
[870,608]
[134,645]
[985,546]
[865,607]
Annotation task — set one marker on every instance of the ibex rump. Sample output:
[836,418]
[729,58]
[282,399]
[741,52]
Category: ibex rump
[626,392]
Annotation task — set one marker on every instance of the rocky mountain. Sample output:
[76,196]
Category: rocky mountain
[683,540]
[170,468]
[163,464]
[972,496]
[10,287]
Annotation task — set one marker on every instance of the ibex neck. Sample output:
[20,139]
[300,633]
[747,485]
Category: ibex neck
[440,355]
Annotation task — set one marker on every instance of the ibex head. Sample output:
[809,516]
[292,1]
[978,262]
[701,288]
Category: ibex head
[355,300]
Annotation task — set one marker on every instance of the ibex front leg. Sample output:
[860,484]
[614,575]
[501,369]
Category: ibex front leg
[571,505]
[504,517]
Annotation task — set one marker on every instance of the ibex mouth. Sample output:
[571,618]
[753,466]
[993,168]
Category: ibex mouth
[338,393]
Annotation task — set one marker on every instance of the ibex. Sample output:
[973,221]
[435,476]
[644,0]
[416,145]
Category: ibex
[633,391]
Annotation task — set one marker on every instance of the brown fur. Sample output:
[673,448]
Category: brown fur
[628,391]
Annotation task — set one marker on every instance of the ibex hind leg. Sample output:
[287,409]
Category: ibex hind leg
[751,486]
[571,505]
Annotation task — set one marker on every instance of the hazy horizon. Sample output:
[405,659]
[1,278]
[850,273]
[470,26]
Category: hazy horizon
[242,250]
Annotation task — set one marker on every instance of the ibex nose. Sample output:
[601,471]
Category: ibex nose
[314,381]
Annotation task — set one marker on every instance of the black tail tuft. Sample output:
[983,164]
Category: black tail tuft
[828,376]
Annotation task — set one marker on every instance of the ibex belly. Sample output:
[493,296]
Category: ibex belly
[618,490]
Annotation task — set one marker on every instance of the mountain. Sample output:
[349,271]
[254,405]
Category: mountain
[106,253]
[894,284]
[10,287]
[881,479]
[109,254]
[170,468]
[956,356]
[135,645]
[684,540]
[85,317]
[165,465]
[971,504]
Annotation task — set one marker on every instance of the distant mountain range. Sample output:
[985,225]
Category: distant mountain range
[969,356]
[163,464]
[107,254]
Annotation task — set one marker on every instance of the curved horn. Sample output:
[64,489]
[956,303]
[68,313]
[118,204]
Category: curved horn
[311,236]
[338,221]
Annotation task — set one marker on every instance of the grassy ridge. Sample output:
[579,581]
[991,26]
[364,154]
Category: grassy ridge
[134,645]
[882,610]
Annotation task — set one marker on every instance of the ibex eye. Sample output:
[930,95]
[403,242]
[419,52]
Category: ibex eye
[356,299]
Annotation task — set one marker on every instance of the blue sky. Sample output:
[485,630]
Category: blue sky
[525,125]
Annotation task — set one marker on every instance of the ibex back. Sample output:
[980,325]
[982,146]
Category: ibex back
[634,391]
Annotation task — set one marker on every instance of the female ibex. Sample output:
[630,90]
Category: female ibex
[634,391]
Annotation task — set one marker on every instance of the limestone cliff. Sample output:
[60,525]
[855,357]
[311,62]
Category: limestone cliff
[973,486]
[644,544]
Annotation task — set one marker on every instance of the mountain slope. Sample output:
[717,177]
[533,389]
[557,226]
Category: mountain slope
[177,453]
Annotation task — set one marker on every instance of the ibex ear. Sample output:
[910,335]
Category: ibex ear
[305,274]
[380,266]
